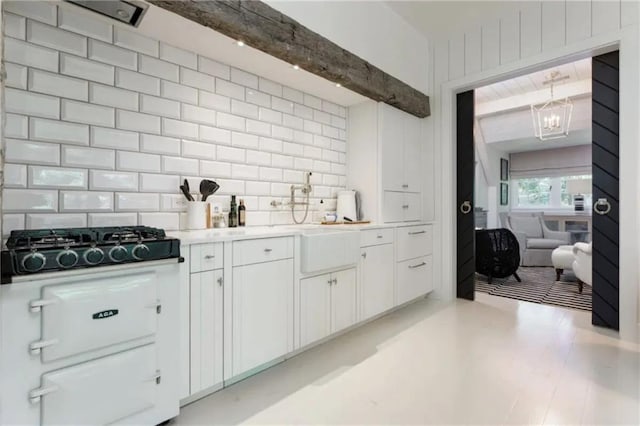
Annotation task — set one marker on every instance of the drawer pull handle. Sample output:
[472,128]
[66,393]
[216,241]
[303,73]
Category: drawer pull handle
[330,282]
[405,186]
[210,256]
[417,266]
[335,281]
[364,255]
[406,206]
[156,377]
[220,281]
[417,232]
[268,250]
[37,394]
[379,236]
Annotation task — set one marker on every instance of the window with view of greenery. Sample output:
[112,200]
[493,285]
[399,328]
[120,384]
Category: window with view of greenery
[545,192]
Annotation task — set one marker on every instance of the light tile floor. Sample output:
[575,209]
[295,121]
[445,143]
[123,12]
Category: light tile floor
[492,361]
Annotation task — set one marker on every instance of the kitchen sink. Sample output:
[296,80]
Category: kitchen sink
[323,249]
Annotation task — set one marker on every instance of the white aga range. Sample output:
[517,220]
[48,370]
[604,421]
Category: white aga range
[89,327]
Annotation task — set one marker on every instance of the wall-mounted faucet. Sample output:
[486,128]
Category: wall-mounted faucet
[304,188]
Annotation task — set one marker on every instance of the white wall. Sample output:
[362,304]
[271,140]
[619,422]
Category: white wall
[484,188]
[370,30]
[540,35]
[103,125]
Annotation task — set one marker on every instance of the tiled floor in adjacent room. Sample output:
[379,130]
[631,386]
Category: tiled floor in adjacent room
[493,361]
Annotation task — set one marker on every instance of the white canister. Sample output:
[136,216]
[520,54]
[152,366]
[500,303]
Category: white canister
[346,206]
[197,215]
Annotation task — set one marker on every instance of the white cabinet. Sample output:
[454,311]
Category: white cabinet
[390,175]
[414,264]
[261,312]
[327,304]
[206,317]
[376,280]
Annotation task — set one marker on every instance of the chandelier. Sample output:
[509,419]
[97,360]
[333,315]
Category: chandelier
[551,119]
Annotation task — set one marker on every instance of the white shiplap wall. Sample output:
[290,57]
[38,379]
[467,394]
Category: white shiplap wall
[103,125]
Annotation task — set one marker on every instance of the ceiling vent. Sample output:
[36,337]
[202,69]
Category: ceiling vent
[129,12]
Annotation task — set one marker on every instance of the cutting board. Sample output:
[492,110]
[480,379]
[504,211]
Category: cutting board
[355,222]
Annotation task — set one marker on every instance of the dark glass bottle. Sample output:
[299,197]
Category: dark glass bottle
[233,213]
[242,214]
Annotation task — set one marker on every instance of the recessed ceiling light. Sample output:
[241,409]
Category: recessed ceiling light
[338,85]
[296,67]
[240,43]
[122,13]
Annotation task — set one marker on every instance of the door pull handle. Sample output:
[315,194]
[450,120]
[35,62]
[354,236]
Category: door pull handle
[602,202]
[417,266]
[465,208]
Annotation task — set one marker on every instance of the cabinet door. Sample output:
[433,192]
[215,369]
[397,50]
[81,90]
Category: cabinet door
[391,136]
[415,279]
[343,300]
[262,312]
[412,155]
[206,329]
[393,206]
[377,280]
[315,308]
[412,207]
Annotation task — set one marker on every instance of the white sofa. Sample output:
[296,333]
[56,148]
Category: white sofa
[582,264]
[536,240]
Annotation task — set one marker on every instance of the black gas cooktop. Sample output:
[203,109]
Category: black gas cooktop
[46,250]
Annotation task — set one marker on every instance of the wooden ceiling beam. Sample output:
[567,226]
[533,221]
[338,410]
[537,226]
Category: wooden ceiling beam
[264,28]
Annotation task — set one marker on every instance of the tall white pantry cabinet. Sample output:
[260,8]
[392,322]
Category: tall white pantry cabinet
[390,163]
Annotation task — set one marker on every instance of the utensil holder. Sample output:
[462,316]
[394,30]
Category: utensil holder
[197,215]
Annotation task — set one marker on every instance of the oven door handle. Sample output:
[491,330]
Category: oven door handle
[36,395]
[36,347]
[37,305]
[157,306]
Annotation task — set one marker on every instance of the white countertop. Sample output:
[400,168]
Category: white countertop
[253,232]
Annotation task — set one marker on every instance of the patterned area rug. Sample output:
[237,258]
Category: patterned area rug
[539,285]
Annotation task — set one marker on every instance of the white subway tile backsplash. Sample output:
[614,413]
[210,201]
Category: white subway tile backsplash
[197,79]
[312,101]
[292,149]
[321,141]
[16,75]
[58,220]
[312,152]
[244,78]
[214,101]
[193,149]
[85,201]
[227,153]
[339,146]
[230,187]
[332,156]
[178,56]
[258,188]
[244,109]
[135,41]
[29,200]
[81,112]
[112,55]
[322,166]
[58,85]
[281,190]
[15,176]
[159,144]
[243,171]
[270,144]
[331,180]
[331,132]
[321,117]
[338,122]
[138,82]
[178,92]
[228,121]
[282,105]
[213,134]
[22,102]
[167,221]
[137,202]
[292,121]
[270,87]
[244,140]
[102,137]
[339,169]
[39,10]
[30,55]
[303,163]
[112,96]
[28,152]
[293,95]
[293,176]
[258,98]
[43,177]
[283,161]
[270,116]
[11,222]
[86,69]
[258,157]
[112,219]
[258,127]
[179,165]
[77,22]
[158,68]
[211,67]
[215,169]
[14,26]
[159,106]
[88,157]
[282,132]
[102,180]
[179,129]
[303,112]
[48,36]
[198,114]
[16,126]
[270,174]
[312,127]
[159,183]
[229,89]
[137,122]
[303,137]
[135,161]
[334,109]
[58,131]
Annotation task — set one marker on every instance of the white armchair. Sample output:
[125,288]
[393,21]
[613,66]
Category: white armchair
[582,264]
[536,240]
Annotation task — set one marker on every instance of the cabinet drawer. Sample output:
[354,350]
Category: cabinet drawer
[206,257]
[373,237]
[413,241]
[414,279]
[262,250]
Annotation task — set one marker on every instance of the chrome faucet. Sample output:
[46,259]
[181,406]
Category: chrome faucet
[304,188]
